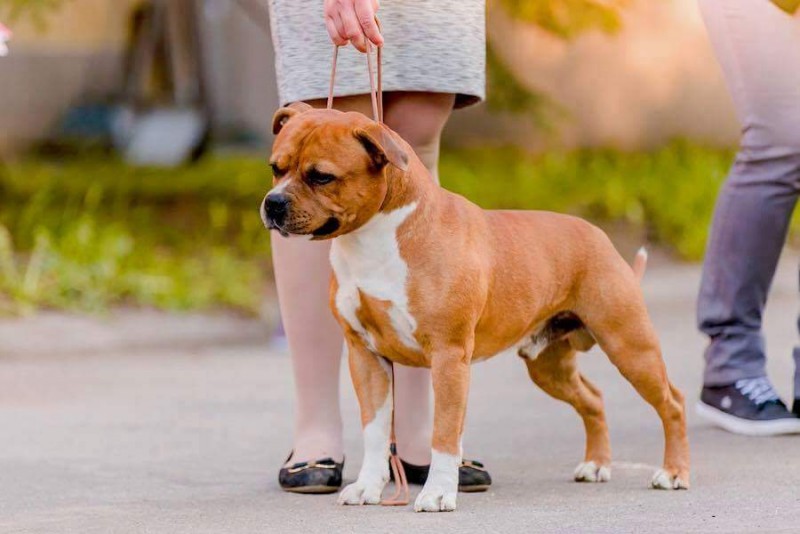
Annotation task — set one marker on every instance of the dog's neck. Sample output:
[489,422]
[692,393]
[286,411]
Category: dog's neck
[408,192]
[414,185]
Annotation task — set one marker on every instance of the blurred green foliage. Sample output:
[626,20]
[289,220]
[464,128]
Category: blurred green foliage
[92,233]
[568,18]
[790,6]
[670,191]
[564,18]
[36,10]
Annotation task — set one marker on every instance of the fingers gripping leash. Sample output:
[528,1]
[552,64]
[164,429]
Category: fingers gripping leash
[375,90]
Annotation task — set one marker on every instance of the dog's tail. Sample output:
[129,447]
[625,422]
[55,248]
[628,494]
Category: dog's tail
[640,263]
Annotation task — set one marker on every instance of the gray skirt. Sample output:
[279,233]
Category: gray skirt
[436,46]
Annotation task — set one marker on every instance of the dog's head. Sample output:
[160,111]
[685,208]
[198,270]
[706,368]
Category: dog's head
[329,171]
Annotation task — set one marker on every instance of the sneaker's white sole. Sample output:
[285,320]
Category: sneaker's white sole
[747,427]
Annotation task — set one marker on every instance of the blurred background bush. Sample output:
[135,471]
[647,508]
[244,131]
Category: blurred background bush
[586,101]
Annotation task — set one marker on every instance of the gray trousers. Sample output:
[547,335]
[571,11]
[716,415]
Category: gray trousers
[758,47]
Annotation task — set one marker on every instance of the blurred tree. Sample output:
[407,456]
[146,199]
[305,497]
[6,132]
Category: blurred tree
[790,6]
[507,95]
[565,19]
[36,10]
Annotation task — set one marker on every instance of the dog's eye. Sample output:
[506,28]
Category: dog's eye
[277,171]
[319,178]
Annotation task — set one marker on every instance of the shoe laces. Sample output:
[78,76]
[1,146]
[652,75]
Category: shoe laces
[759,390]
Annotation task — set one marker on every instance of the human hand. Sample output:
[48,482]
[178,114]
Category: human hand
[352,21]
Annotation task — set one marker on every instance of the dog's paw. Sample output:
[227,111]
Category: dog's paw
[664,480]
[435,499]
[591,472]
[359,493]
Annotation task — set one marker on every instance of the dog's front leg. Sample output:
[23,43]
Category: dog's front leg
[372,380]
[450,372]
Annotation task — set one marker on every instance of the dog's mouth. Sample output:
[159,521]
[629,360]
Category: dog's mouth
[330,226]
[272,225]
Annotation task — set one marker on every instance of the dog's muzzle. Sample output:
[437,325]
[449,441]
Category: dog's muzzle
[274,210]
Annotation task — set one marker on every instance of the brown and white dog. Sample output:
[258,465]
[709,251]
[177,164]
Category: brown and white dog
[423,277]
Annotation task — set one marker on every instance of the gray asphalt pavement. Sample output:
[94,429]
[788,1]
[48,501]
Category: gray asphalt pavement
[189,439]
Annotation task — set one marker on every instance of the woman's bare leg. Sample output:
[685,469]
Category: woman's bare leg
[302,275]
[419,119]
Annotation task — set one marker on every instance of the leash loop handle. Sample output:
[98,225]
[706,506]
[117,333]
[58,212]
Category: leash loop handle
[375,89]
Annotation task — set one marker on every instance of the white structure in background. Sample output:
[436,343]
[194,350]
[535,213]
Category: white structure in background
[5,36]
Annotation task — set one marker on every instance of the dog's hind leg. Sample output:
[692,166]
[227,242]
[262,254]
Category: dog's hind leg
[618,320]
[555,370]
[639,360]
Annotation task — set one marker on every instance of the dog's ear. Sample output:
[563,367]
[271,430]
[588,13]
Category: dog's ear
[380,144]
[284,114]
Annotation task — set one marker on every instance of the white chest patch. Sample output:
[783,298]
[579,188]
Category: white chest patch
[369,260]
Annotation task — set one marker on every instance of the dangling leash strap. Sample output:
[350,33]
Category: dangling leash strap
[375,92]
[401,494]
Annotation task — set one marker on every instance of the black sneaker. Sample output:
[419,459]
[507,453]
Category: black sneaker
[749,406]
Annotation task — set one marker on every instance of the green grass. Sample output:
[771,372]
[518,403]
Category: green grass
[671,191]
[92,233]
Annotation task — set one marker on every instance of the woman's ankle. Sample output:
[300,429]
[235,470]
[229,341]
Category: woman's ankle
[415,451]
[316,444]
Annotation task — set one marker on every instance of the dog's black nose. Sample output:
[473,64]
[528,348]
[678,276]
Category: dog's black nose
[276,206]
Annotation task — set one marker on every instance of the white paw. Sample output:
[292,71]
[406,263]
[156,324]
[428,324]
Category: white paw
[439,492]
[591,472]
[435,499]
[361,493]
[663,480]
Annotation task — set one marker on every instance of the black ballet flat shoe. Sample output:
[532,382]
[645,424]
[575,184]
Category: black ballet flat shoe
[317,476]
[472,475]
